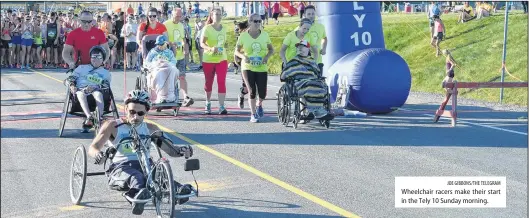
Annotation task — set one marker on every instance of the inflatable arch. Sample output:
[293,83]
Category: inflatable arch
[368,77]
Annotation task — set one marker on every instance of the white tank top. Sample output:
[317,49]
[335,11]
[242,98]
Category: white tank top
[125,151]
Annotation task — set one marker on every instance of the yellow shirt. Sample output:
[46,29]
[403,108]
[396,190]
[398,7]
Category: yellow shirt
[214,39]
[470,9]
[290,41]
[256,50]
[315,35]
[176,33]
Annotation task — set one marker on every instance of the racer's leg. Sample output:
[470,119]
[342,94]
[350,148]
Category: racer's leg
[261,83]
[81,97]
[98,96]
[181,65]
[249,79]
[222,71]
[209,76]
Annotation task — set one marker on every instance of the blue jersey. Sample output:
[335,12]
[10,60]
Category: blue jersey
[155,54]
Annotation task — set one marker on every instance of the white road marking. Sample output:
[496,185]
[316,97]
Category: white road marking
[477,124]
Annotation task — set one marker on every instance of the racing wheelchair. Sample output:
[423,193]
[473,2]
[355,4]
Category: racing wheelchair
[158,174]
[148,43]
[73,107]
[289,105]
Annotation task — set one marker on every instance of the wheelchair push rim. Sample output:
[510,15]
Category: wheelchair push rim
[64,114]
[164,193]
[78,175]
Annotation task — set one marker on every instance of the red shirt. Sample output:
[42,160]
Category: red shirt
[82,41]
[158,30]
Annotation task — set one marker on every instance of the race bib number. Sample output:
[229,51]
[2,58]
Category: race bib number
[256,61]
[220,50]
[95,79]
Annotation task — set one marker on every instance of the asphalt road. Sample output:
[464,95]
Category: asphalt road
[260,169]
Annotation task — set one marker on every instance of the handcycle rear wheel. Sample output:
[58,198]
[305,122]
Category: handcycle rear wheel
[66,105]
[165,192]
[78,175]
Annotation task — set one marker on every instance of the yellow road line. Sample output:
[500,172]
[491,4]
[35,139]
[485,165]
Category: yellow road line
[248,168]
[73,207]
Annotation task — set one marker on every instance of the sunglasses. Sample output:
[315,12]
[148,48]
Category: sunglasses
[257,21]
[97,57]
[86,21]
[152,16]
[140,113]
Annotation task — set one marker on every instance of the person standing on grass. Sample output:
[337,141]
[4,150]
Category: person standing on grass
[433,11]
[450,65]
[254,62]
[439,33]
[213,41]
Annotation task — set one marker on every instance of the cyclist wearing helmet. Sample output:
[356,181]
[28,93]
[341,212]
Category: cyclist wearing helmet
[125,171]
[88,79]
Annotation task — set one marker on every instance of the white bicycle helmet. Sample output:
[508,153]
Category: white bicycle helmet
[139,96]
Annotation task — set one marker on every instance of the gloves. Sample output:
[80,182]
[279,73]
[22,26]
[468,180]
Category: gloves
[100,157]
[186,151]
[71,80]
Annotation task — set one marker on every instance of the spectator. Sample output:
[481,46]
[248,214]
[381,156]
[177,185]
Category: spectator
[466,14]
[301,9]
[524,4]
[130,10]
[433,11]
[483,9]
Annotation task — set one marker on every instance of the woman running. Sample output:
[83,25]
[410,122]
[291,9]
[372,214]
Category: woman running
[288,49]
[213,41]
[254,62]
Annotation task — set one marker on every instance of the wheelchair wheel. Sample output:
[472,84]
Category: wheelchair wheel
[115,111]
[164,196]
[65,108]
[175,112]
[296,114]
[96,121]
[325,123]
[78,175]
[282,107]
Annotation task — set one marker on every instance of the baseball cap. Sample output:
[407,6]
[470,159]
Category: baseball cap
[304,43]
[160,40]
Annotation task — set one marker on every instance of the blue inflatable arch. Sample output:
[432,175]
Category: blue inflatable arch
[377,80]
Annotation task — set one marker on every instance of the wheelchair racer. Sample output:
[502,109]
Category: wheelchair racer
[125,171]
[88,79]
[306,74]
[161,63]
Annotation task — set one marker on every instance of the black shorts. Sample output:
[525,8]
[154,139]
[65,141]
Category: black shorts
[5,44]
[263,17]
[257,82]
[439,36]
[450,74]
[121,43]
[189,44]
[275,15]
[197,44]
[131,47]
[49,43]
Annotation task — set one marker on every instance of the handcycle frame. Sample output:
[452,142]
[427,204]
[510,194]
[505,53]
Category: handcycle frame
[143,153]
[71,99]
[141,81]
[288,96]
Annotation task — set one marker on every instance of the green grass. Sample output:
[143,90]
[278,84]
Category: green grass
[476,46]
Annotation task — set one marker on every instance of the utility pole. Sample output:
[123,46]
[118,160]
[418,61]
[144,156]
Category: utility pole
[504,49]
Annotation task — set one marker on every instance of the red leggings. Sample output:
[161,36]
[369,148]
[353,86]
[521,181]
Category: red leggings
[221,69]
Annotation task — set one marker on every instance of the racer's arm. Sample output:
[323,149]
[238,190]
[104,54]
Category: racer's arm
[282,53]
[107,49]
[315,52]
[165,143]
[270,52]
[323,46]
[67,52]
[239,54]
[108,129]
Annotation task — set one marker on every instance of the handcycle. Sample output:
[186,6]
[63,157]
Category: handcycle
[141,81]
[73,107]
[159,175]
[289,105]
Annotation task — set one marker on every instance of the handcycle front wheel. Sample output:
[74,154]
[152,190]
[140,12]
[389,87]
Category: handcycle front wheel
[165,192]
[78,175]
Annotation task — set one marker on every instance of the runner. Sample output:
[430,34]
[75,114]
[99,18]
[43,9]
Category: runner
[176,33]
[254,62]
[215,58]
[316,35]
[288,49]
